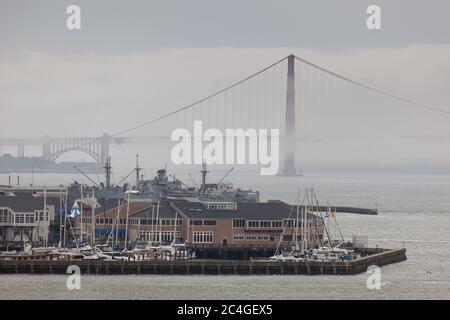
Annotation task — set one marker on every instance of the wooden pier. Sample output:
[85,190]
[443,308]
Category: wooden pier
[206,267]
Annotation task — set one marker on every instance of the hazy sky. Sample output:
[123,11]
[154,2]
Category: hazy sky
[117,26]
[133,60]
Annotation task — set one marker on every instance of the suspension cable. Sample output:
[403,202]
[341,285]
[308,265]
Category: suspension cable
[362,85]
[198,101]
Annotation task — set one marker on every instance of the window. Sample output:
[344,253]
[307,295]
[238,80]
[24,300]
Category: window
[29,218]
[202,237]
[166,236]
[238,223]
[257,237]
[264,224]
[276,224]
[239,237]
[5,216]
[253,224]
[209,222]
[289,223]
[133,221]
[220,205]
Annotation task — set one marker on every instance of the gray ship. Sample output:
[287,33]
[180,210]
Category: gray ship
[162,186]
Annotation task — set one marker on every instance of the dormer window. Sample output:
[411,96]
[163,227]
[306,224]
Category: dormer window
[220,205]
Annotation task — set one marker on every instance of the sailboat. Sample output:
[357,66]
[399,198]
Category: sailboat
[296,253]
[302,252]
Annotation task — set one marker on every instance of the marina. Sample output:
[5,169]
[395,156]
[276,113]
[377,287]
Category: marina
[163,226]
[166,226]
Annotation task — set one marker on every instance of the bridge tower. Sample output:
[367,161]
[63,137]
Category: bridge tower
[289,135]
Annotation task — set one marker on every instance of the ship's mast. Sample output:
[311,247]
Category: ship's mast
[203,172]
[138,170]
[108,173]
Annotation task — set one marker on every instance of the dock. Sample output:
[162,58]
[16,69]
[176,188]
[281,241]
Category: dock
[375,256]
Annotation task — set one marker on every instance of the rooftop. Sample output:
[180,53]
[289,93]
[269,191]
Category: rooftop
[245,210]
[21,201]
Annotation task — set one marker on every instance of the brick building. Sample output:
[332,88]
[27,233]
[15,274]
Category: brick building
[200,223]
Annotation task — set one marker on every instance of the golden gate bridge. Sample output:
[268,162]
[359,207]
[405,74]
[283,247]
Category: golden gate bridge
[292,94]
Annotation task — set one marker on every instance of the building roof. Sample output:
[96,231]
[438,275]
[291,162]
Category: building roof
[245,210]
[135,207]
[21,201]
[107,204]
[165,211]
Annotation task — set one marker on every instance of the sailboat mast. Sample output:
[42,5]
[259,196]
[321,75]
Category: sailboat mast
[150,239]
[65,220]
[81,215]
[306,221]
[93,218]
[296,220]
[176,224]
[45,211]
[328,222]
[60,218]
[159,224]
[138,170]
[126,221]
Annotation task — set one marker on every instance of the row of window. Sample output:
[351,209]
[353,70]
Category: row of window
[291,223]
[254,237]
[237,223]
[133,221]
[6,216]
[202,237]
[203,222]
[270,237]
[163,236]
[266,224]
[242,223]
[164,222]
[220,206]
